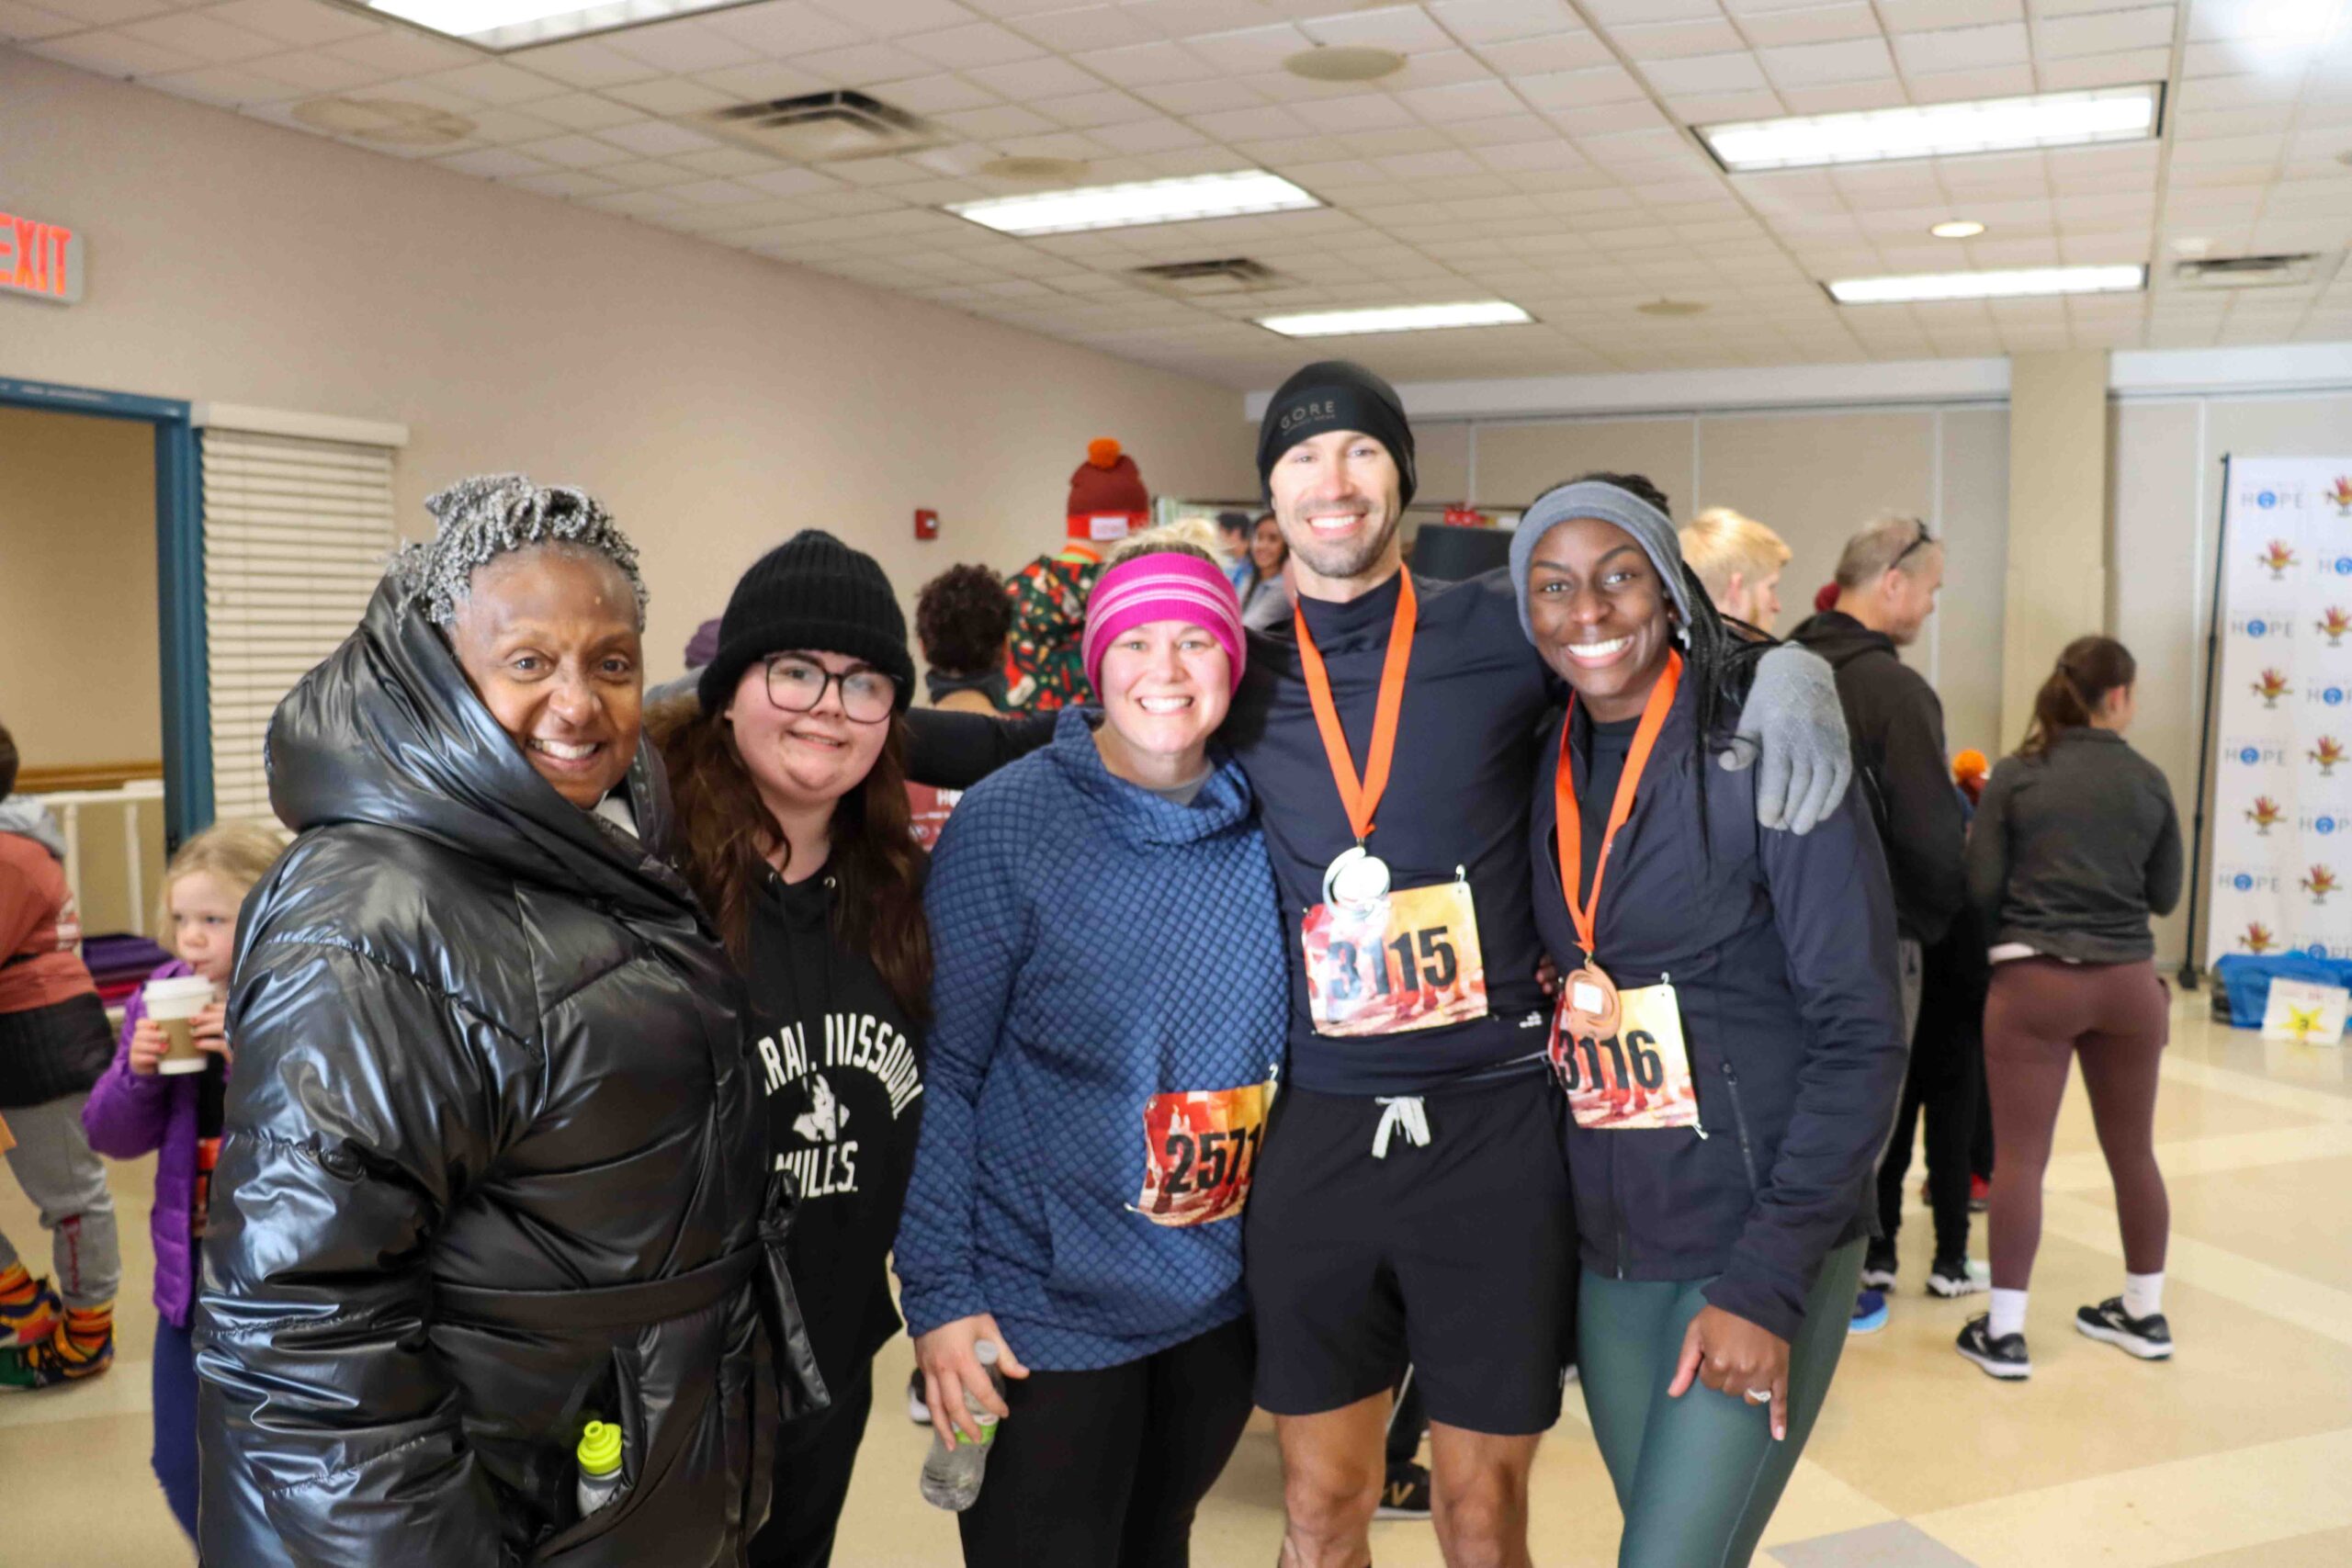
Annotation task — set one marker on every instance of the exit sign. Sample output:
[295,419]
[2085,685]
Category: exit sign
[41,261]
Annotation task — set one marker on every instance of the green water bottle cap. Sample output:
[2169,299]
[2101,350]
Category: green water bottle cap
[600,1447]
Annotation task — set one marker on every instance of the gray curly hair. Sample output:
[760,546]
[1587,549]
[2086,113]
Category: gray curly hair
[495,514]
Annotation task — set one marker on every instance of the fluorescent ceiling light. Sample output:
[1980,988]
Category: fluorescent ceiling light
[517,24]
[2021,284]
[1236,195]
[1932,130]
[1956,229]
[1397,319]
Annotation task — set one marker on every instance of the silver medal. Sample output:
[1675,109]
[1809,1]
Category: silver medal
[1356,880]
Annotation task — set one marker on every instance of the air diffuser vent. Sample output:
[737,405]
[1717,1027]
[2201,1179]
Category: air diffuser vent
[1198,279]
[2248,272]
[823,128]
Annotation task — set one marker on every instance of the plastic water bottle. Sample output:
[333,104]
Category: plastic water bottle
[600,1465]
[951,1475]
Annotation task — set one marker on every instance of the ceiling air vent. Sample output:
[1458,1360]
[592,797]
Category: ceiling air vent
[823,128]
[2248,272]
[1199,279]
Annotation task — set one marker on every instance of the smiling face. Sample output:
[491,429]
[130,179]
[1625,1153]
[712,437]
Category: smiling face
[548,635]
[1267,551]
[1601,616]
[1338,498]
[1165,687]
[798,760]
[204,924]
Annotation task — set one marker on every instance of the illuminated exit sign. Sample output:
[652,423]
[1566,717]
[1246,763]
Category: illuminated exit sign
[41,260]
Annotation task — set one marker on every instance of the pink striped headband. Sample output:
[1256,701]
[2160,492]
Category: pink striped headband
[1164,587]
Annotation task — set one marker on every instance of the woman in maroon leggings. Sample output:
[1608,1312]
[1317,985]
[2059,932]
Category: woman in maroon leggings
[2074,845]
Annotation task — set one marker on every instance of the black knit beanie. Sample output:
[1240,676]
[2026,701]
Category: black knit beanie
[811,591]
[1335,394]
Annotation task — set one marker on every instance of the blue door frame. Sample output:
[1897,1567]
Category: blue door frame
[179,583]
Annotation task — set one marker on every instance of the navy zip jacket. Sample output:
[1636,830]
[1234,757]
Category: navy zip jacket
[1781,951]
[1097,946]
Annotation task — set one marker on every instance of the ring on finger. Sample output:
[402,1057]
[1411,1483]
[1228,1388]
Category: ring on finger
[1759,1396]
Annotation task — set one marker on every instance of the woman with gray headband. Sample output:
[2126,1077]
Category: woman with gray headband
[492,1166]
[1729,1034]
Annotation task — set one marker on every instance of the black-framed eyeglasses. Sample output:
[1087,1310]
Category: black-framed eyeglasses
[1922,542]
[797,686]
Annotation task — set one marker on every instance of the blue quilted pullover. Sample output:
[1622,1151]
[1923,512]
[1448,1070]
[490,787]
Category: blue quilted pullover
[1097,946]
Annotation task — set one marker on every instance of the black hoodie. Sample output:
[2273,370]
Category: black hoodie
[492,1161]
[842,1069]
[1898,729]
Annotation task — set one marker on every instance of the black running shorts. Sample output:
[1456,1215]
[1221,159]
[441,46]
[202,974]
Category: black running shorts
[1459,1258]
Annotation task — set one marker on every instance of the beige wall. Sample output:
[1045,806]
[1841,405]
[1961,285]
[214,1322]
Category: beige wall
[2166,485]
[78,677]
[1814,478]
[719,401]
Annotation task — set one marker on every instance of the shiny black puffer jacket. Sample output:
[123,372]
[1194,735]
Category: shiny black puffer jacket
[493,1163]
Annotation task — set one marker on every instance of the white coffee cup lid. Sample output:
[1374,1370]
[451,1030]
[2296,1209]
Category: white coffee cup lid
[179,987]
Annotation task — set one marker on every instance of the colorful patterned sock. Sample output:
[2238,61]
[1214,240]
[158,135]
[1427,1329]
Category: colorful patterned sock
[82,1346]
[15,1285]
[29,1308]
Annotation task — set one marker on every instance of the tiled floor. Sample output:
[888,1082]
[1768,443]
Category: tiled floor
[2237,1453]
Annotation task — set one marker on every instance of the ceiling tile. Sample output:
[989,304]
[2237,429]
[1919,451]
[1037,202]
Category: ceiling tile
[781,29]
[585,111]
[226,86]
[317,72]
[2105,70]
[763,79]
[1921,16]
[1405,29]
[1810,24]
[1677,41]
[1202,97]
[1031,79]
[1705,73]
[304,23]
[2103,32]
[115,54]
[1568,50]
[1250,50]
[1084,110]
[491,162]
[1495,21]
[583,64]
[863,64]
[685,46]
[671,95]
[655,139]
[1149,64]
[1088,26]
[992,124]
[202,38]
[891,19]
[30,23]
[979,43]
[1821,65]
[491,83]
[1995,81]
[107,13]
[1962,48]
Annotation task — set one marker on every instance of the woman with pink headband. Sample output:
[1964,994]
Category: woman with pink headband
[1110,1003]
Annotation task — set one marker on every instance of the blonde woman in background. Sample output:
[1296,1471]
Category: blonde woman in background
[1739,562]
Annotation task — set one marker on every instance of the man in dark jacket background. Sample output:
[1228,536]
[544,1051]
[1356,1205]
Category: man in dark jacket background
[1888,580]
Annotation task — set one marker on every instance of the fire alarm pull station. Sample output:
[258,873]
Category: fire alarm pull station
[926,524]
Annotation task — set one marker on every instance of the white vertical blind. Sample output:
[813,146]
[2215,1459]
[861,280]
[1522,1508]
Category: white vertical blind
[297,532]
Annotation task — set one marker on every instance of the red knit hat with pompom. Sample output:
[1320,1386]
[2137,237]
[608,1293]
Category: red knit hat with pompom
[1107,486]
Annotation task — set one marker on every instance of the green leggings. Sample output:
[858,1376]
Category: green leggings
[1697,1477]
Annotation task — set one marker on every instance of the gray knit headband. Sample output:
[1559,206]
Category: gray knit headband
[1653,529]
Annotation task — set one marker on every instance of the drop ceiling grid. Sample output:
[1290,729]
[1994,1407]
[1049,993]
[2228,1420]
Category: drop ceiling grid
[1532,149]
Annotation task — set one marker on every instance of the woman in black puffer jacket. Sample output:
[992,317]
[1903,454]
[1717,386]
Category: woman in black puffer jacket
[492,1162]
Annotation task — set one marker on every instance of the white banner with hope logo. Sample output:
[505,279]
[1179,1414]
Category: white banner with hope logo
[2282,801]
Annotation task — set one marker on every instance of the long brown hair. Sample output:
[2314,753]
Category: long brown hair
[729,835]
[2088,669]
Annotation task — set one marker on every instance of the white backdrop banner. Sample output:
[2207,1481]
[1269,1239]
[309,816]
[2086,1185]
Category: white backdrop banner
[2282,802]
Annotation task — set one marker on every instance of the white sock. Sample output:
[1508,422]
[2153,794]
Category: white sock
[2008,1313]
[2144,1295]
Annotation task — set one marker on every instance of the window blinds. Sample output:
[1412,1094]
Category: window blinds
[297,532]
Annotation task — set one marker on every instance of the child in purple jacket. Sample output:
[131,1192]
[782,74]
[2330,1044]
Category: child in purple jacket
[134,1111]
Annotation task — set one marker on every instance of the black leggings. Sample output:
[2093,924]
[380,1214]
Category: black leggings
[1107,1468]
[1947,1069]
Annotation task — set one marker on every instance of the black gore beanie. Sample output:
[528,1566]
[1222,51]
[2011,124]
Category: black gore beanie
[811,591]
[1335,394]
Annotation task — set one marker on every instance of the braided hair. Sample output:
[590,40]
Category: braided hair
[491,515]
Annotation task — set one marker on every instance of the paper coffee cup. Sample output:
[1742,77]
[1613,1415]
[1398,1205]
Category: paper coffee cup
[174,1004]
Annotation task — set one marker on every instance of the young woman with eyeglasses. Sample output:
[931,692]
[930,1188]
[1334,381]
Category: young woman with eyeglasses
[788,770]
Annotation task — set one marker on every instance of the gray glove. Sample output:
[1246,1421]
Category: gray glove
[1794,722]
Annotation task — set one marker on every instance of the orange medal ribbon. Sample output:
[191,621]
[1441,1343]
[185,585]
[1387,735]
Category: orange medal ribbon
[1362,797]
[1599,1018]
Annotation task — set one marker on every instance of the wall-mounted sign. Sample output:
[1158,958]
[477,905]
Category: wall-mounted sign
[42,261]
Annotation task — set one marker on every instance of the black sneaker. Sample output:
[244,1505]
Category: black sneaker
[1952,1277]
[1405,1494]
[1878,1266]
[2004,1357]
[2149,1338]
[917,1411]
